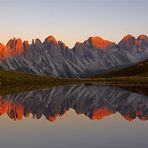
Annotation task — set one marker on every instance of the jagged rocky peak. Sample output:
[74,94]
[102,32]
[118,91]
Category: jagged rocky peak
[15,44]
[32,43]
[142,37]
[26,44]
[6,51]
[93,56]
[37,44]
[128,38]
[62,45]
[79,45]
[98,42]
[80,48]
[38,41]
[128,43]
[142,42]
[51,39]
[1,46]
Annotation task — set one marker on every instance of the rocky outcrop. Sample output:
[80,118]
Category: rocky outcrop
[54,58]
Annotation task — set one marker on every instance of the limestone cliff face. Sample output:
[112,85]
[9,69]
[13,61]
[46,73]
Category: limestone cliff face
[52,57]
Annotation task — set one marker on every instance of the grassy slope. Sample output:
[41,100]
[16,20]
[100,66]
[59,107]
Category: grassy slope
[16,78]
[12,81]
[138,75]
[139,70]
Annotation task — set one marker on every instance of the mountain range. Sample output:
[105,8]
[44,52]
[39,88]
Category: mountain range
[54,58]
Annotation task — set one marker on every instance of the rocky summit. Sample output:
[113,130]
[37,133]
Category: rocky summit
[54,58]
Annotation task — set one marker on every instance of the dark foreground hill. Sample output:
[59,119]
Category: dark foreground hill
[20,78]
[138,70]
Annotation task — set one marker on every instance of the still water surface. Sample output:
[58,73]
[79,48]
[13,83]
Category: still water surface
[76,116]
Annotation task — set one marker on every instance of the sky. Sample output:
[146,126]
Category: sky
[72,20]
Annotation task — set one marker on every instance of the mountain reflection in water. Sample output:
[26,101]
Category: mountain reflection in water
[96,102]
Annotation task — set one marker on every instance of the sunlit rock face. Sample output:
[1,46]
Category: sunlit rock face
[100,43]
[4,52]
[95,102]
[52,57]
[50,39]
[130,43]
[14,47]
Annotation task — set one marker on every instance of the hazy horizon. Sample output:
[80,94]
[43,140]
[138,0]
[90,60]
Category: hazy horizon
[73,20]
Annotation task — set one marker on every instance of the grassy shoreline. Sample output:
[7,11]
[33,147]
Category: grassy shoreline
[132,77]
[15,78]
[14,82]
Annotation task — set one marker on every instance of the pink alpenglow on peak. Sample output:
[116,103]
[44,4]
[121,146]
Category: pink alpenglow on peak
[4,52]
[128,37]
[100,43]
[13,47]
[51,39]
[129,42]
[54,58]
[142,37]
[1,45]
[16,45]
